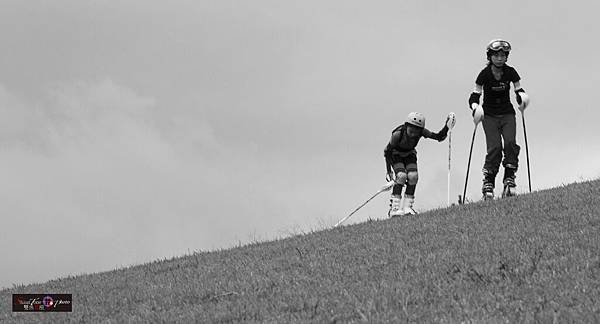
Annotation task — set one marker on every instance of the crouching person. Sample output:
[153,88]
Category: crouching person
[401,160]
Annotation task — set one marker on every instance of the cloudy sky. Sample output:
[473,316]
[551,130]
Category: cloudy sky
[137,130]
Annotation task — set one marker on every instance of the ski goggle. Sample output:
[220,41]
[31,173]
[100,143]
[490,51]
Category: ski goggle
[498,45]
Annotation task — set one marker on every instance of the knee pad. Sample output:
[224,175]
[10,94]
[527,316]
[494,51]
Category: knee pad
[413,177]
[401,177]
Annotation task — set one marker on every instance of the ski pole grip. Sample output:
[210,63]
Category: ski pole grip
[451,120]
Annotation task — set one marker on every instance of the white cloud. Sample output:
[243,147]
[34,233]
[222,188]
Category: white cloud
[221,120]
[93,170]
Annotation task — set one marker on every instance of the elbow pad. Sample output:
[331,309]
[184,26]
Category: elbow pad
[518,96]
[474,98]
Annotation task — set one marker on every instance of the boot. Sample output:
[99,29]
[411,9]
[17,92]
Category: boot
[489,179]
[510,186]
[395,209]
[407,208]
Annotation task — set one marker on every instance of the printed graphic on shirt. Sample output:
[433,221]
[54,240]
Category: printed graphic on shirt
[501,86]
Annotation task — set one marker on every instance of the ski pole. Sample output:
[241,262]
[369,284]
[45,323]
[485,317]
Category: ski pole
[450,122]
[526,150]
[469,165]
[386,187]
[449,159]
[477,118]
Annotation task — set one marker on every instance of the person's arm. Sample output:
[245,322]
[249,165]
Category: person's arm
[474,97]
[480,81]
[521,96]
[439,136]
[387,153]
[517,85]
[518,91]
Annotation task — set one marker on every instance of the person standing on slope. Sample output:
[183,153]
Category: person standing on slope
[401,160]
[499,122]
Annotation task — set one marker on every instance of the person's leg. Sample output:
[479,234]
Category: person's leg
[401,177]
[412,179]
[511,154]
[493,140]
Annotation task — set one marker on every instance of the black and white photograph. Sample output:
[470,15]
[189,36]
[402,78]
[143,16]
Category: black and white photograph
[195,161]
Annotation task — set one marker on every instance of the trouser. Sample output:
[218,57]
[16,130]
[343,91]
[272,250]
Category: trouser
[499,129]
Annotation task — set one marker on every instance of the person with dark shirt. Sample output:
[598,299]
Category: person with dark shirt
[499,122]
[401,160]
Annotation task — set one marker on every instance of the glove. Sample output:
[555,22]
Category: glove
[389,185]
[473,108]
[477,115]
[522,100]
[450,120]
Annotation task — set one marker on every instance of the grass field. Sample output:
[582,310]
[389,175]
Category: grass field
[527,259]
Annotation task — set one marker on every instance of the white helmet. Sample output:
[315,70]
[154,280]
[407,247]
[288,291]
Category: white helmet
[416,119]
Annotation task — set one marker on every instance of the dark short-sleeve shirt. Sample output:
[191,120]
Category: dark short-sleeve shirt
[496,93]
[400,143]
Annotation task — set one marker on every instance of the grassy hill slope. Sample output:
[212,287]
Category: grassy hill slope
[530,258]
